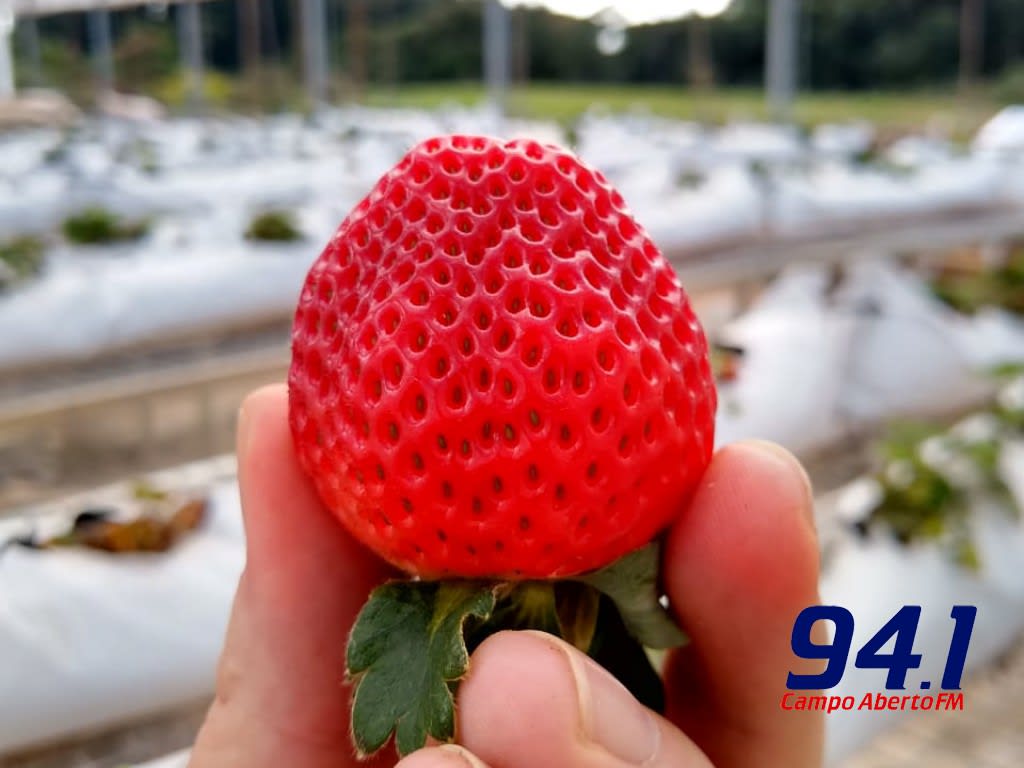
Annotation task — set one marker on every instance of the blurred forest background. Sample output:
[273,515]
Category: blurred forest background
[252,49]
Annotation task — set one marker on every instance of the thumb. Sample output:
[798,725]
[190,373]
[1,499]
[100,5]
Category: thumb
[445,756]
[533,701]
[280,696]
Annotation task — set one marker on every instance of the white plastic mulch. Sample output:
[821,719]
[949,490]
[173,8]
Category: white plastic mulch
[818,366]
[1004,133]
[876,577]
[689,185]
[177,760]
[90,640]
[815,365]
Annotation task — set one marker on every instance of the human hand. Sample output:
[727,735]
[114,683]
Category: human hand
[740,564]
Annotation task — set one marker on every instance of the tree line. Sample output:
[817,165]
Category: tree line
[844,44]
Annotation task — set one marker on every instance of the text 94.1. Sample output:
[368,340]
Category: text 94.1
[902,627]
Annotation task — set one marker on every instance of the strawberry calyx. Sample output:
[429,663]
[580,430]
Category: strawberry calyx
[411,642]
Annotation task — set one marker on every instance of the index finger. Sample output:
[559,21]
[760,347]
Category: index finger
[740,564]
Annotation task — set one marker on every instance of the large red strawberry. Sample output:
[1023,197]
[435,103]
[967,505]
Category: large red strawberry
[495,372]
[496,375]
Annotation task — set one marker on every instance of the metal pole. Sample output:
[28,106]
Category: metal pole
[30,32]
[101,48]
[250,40]
[190,41]
[358,32]
[699,68]
[781,65]
[520,68]
[390,59]
[972,41]
[6,50]
[314,45]
[496,53]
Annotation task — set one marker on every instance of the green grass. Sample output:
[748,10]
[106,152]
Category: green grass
[893,112]
[566,101]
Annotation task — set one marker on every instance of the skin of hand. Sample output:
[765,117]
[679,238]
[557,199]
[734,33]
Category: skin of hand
[740,563]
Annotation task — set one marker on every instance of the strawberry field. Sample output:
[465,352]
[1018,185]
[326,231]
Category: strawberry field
[167,658]
[165,223]
[120,237]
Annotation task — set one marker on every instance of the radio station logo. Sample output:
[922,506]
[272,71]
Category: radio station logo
[899,633]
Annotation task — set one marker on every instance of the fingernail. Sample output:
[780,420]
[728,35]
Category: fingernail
[468,757]
[612,718]
[778,453]
[447,755]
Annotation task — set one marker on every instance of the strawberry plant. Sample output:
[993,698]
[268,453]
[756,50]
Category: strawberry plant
[1000,286]
[97,226]
[274,226]
[499,386]
[930,477]
[20,258]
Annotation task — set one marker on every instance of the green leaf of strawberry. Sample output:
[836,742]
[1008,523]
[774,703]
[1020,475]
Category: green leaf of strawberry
[407,652]
[621,654]
[632,583]
[577,606]
[408,648]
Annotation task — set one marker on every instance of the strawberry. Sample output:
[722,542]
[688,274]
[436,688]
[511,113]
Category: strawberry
[495,371]
[496,375]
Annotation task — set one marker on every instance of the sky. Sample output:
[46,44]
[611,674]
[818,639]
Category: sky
[632,11]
